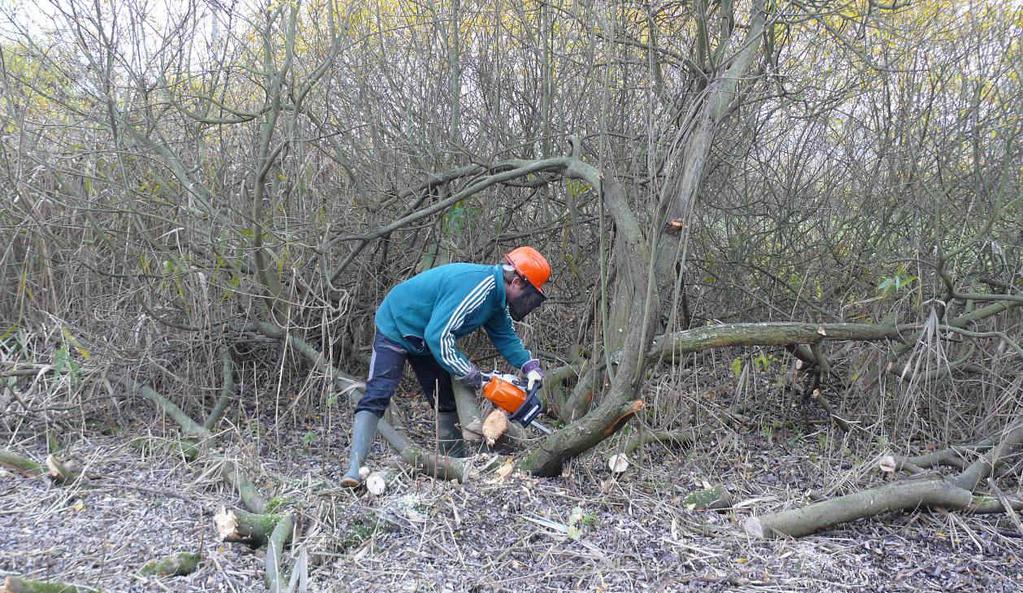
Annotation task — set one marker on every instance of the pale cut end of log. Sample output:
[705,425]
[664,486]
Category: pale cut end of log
[618,463]
[226,523]
[754,528]
[376,483]
[495,426]
[61,471]
[886,464]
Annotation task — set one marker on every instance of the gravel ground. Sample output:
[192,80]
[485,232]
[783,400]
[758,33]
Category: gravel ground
[585,531]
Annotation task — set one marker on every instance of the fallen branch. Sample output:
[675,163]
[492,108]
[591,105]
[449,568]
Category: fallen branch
[22,465]
[428,463]
[254,527]
[279,538]
[190,427]
[432,464]
[20,585]
[175,565]
[954,492]
[226,391]
[251,498]
[900,496]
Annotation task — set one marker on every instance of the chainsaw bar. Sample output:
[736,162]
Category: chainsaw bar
[541,427]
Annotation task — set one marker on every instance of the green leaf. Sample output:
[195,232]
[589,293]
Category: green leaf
[60,359]
[737,366]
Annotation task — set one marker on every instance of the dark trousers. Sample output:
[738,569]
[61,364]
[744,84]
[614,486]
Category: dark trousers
[386,368]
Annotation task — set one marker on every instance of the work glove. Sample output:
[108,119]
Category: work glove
[472,380]
[534,375]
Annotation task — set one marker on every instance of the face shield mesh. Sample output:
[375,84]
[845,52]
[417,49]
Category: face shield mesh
[530,299]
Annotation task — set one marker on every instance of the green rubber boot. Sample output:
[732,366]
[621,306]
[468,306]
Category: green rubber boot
[450,434]
[364,428]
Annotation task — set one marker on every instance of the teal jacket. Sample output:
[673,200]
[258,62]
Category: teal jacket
[431,310]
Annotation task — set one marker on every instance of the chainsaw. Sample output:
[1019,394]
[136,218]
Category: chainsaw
[510,394]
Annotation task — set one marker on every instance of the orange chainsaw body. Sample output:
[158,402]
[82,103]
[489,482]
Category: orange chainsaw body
[504,393]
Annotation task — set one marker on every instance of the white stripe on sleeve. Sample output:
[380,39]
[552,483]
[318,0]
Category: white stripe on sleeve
[470,303]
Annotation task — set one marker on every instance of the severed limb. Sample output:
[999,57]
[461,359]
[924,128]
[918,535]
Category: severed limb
[22,465]
[954,492]
[14,584]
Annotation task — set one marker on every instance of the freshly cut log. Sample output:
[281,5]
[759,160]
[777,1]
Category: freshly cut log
[20,585]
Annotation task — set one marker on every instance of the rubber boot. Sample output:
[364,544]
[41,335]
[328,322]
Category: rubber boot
[450,435]
[364,428]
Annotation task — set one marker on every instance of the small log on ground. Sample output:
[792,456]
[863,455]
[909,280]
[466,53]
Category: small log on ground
[20,585]
[238,526]
[180,564]
[20,464]
[248,492]
[438,466]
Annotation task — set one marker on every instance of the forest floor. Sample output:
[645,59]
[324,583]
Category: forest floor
[630,532]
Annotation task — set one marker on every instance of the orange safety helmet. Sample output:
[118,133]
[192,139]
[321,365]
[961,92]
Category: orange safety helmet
[530,265]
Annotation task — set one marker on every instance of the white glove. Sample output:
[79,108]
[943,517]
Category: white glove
[534,376]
